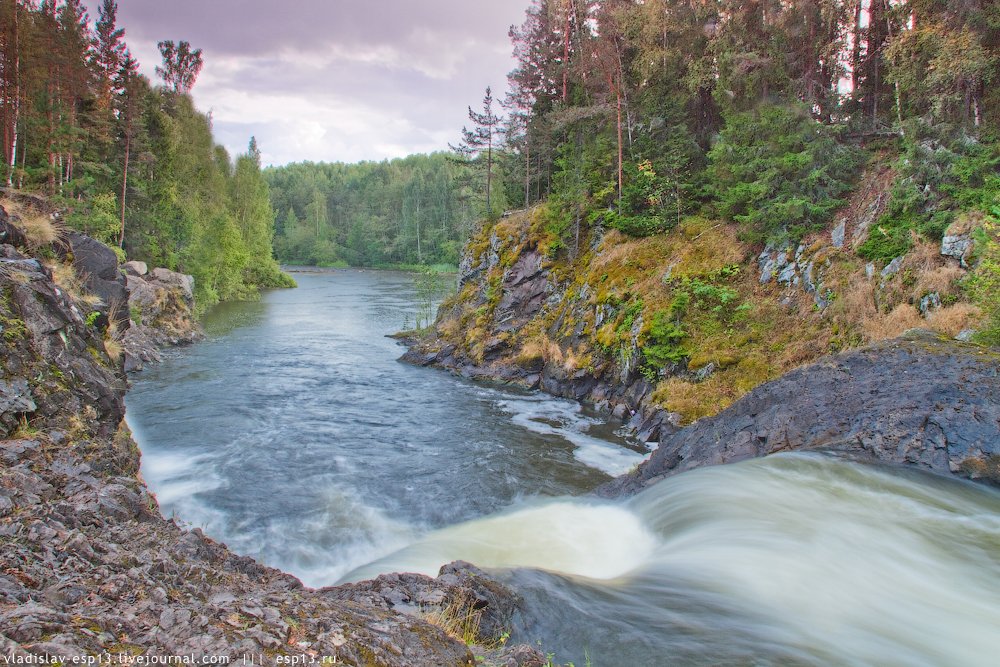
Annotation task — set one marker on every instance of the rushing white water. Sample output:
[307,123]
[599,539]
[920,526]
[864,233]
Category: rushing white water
[801,559]
[593,540]
[294,435]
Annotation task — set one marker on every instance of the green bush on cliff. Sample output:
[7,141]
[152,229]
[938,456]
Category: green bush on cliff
[938,176]
[663,344]
[779,173]
[984,283]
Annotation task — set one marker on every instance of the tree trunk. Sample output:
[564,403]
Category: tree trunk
[565,63]
[527,170]
[16,100]
[621,150]
[489,173]
[121,231]
[416,222]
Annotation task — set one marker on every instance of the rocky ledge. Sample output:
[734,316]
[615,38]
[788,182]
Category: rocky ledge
[920,400]
[90,568]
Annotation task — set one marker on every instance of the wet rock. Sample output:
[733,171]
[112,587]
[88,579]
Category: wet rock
[941,414]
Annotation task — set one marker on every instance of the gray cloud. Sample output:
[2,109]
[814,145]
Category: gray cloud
[334,80]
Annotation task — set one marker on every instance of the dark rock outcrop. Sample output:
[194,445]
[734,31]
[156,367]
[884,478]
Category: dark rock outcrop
[919,400]
[162,305]
[97,265]
[53,360]
[10,234]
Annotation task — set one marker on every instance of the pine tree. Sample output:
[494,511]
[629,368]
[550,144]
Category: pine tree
[482,138]
[181,65]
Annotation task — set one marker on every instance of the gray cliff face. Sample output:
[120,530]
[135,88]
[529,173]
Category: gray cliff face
[161,305]
[919,400]
[88,564]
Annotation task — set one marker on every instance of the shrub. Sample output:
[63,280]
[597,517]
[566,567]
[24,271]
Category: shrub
[938,177]
[779,173]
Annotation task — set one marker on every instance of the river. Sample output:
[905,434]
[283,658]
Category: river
[294,435]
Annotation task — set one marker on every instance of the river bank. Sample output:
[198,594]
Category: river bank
[91,567]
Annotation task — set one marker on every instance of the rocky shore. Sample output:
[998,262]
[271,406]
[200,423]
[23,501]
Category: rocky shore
[919,400]
[90,568]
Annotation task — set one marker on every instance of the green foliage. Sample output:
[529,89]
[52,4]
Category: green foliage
[663,342]
[779,173]
[97,217]
[411,211]
[939,175]
[432,286]
[984,283]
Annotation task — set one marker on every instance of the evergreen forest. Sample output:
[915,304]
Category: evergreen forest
[132,164]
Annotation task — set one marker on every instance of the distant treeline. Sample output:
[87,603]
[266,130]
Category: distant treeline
[414,210]
[136,166]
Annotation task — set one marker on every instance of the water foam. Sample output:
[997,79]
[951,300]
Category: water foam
[566,420]
[593,540]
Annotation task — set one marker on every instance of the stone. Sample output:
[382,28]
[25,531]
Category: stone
[11,234]
[838,233]
[940,413]
[891,269]
[957,246]
[15,399]
[136,268]
[930,302]
[97,265]
[168,278]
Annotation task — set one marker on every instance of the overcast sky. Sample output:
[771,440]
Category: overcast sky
[333,80]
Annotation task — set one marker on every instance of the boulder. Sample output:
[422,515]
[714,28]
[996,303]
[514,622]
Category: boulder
[920,400]
[97,266]
[958,246]
[10,234]
[135,268]
[168,279]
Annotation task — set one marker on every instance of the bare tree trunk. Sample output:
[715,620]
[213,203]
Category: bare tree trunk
[621,150]
[16,111]
[527,170]
[489,173]
[24,160]
[856,49]
[121,231]
[565,63]
[420,256]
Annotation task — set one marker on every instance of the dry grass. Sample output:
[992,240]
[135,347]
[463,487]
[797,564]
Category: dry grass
[38,227]
[461,622]
[66,278]
[903,317]
[942,279]
[952,320]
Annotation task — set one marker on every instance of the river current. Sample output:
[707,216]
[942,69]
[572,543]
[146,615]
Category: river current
[294,435]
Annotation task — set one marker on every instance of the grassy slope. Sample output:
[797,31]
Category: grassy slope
[624,301]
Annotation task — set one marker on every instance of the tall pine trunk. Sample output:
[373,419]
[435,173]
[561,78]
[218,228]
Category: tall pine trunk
[121,230]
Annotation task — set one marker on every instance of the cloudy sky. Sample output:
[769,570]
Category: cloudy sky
[333,80]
